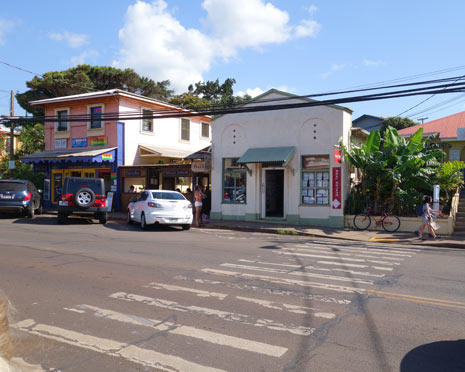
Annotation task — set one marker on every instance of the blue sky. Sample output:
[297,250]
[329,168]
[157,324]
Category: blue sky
[303,47]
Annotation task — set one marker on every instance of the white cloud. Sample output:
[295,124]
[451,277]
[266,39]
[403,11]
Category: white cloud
[84,57]
[308,27]
[5,27]
[254,92]
[334,68]
[155,44]
[73,40]
[371,63]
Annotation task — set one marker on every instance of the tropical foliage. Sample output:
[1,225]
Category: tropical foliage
[396,172]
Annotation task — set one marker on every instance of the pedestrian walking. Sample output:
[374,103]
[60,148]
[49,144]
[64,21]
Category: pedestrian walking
[427,219]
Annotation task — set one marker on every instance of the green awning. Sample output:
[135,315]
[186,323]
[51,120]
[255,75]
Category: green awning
[267,155]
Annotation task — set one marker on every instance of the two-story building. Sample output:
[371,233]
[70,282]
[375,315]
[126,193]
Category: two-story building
[116,135]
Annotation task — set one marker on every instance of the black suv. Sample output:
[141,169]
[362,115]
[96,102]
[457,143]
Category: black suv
[83,197]
[20,196]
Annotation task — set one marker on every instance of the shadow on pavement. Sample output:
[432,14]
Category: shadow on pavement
[121,226]
[438,356]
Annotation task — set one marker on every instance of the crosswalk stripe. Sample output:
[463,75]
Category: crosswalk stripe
[219,314]
[345,264]
[299,273]
[330,287]
[335,258]
[177,329]
[145,357]
[310,246]
[338,254]
[309,267]
[198,292]
[279,292]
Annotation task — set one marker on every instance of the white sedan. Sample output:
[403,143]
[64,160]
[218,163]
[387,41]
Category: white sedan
[160,207]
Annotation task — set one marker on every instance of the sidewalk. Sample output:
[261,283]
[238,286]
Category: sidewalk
[330,233]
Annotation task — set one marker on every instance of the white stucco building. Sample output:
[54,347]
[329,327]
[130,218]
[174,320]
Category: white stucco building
[281,165]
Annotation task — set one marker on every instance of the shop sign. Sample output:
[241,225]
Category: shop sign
[61,143]
[113,176]
[176,172]
[315,162]
[336,202]
[132,173]
[200,166]
[337,156]
[79,142]
[107,156]
[98,141]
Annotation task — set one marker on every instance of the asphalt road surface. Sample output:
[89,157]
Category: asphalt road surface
[113,298]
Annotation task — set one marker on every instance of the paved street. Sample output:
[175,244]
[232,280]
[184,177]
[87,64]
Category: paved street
[90,297]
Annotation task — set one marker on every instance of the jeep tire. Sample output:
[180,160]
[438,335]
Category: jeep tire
[62,218]
[84,197]
[103,217]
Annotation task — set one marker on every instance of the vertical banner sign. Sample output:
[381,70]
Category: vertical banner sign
[336,197]
[337,156]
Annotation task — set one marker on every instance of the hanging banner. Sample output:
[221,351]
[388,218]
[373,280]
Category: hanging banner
[336,202]
[107,156]
[98,141]
[337,156]
[79,142]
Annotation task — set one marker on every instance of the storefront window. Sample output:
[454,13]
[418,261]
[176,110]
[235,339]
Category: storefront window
[234,182]
[315,180]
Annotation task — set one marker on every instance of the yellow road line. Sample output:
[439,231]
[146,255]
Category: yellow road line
[417,299]
[373,239]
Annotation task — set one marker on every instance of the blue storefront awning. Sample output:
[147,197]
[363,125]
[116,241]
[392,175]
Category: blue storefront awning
[72,155]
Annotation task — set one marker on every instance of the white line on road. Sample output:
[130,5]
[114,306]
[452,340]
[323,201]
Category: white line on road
[299,273]
[353,265]
[335,258]
[340,250]
[145,357]
[219,314]
[198,292]
[338,254]
[330,287]
[177,329]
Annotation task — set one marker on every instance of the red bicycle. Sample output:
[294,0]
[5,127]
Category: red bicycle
[390,222]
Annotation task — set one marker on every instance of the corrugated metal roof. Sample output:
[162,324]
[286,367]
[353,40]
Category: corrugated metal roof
[267,155]
[446,127]
[165,151]
[67,153]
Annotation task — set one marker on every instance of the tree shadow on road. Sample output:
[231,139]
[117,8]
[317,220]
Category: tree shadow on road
[438,356]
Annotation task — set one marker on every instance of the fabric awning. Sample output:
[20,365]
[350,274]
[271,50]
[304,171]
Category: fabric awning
[70,155]
[152,151]
[267,155]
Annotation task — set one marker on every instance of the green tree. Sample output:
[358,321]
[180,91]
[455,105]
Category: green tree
[32,139]
[396,123]
[85,79]
[209,95]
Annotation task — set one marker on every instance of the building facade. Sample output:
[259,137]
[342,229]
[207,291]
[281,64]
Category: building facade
[281,165]
[94,134]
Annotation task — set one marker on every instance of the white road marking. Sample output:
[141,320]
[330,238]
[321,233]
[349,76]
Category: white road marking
[343,249]
[335,258]
[330,287]
[339,254]
[177,329]
[309,267]
[353,265]
[219,314]
[145,357]
[74,310]
[278,292]
[291,308]
[299,273]
[198,292]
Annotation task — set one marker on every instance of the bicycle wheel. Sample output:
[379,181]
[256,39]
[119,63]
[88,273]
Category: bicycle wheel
[362,221]
[391,223]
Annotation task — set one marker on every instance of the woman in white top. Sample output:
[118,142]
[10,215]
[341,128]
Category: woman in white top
[427,219]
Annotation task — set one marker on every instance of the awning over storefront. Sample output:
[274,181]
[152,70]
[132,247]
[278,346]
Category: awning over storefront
[151,151]
[280,155]
[201,154]
[267,155]
[72,155]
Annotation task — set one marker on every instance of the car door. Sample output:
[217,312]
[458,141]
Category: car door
[139,205]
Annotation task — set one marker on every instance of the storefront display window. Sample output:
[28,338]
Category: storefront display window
[315,180]
[234,182]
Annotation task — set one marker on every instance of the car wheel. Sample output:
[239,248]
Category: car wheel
[30,211]
[62,218]
[103,217]
[186,227]
[40,210]
[130,221]
[84,197]
[143,223]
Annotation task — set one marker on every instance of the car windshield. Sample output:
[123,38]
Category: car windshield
[12,186]
[167,195]
[75,185]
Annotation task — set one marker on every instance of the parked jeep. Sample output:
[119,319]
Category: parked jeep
[83,197]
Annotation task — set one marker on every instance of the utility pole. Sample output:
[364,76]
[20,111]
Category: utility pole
[422,120]
[11,165]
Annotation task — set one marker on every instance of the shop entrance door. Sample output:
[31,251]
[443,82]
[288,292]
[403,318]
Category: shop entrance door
[274,192]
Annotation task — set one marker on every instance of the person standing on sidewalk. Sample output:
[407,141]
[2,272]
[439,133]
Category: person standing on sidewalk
[427,219]
[198,198]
